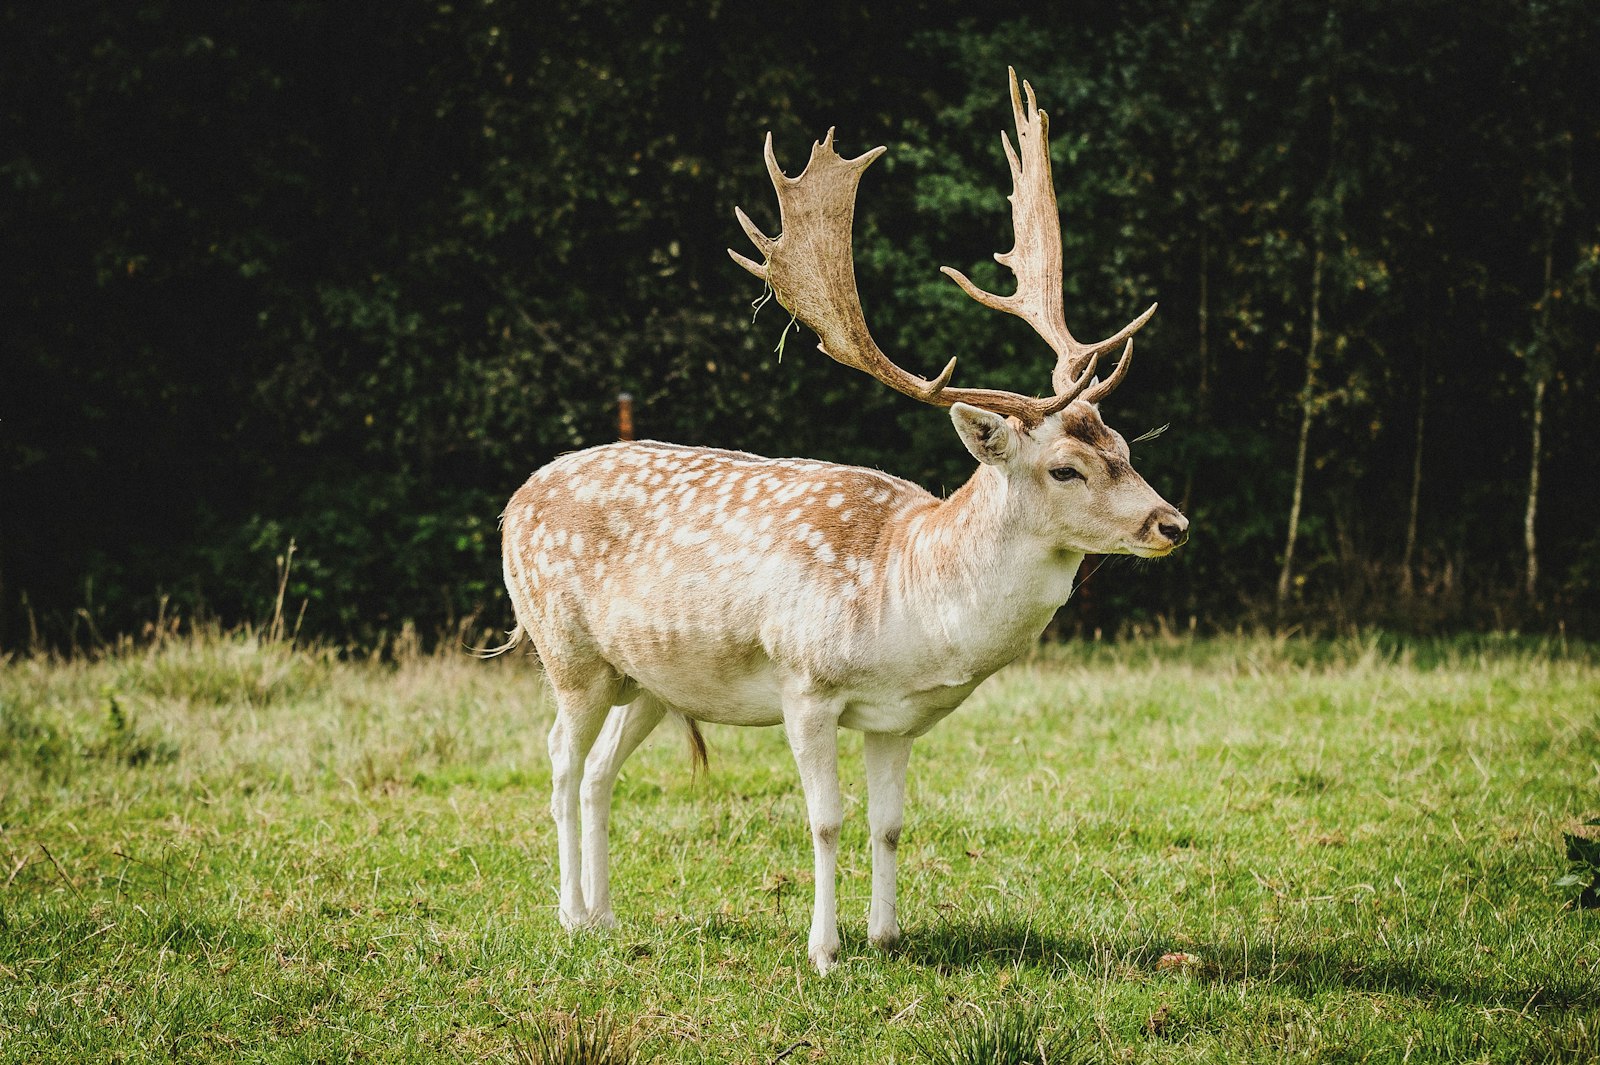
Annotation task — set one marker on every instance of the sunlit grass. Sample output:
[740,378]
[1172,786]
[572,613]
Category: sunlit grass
[223,848]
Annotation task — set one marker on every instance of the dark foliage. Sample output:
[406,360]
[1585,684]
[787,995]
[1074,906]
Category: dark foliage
[347,273]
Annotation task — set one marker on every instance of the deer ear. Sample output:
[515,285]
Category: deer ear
[989,436]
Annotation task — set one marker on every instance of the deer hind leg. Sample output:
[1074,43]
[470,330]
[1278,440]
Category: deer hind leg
[886,758]
[624,730]
[812,727]
[581,711]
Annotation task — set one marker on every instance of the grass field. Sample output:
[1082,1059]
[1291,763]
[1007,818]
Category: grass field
[219,849]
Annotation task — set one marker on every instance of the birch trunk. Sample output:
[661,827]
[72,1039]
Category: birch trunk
[1286,575]
[1530,538]
[1407,584]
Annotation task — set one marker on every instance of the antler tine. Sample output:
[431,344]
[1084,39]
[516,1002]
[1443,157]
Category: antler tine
[1099,390]
[1067,372]
[758,238]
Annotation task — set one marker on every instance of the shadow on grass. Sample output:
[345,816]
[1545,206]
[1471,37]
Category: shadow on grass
[972,943]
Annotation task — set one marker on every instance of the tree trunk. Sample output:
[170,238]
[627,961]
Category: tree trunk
[1285,576]
[1529,537]
[1407,586]
[1529,540]
[1203,386]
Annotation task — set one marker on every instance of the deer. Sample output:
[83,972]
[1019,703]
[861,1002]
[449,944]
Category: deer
[714,586]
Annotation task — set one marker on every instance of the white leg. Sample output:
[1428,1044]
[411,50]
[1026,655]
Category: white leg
[625,729]
[886,758]
[580,714]
[813,730]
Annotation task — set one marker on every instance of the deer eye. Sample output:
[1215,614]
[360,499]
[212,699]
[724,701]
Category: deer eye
[1066,473]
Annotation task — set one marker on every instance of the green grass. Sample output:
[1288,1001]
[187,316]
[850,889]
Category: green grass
[217,849]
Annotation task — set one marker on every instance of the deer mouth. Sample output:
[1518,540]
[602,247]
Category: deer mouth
[1160,545]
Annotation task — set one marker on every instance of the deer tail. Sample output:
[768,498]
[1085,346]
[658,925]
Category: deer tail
[697,746]
[515,637]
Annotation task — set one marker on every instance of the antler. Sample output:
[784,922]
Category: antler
[810,269]
[809,264]
[1036,259]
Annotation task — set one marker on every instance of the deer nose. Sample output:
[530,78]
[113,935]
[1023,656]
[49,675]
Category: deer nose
[1175,529]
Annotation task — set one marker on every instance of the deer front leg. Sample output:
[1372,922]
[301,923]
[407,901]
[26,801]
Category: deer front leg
[813,730]
[886,758]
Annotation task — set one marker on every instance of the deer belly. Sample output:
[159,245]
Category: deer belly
[715,683]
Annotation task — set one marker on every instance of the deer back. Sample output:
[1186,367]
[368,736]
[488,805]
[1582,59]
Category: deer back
[651,554]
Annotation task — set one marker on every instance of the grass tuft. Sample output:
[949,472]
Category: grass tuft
[570,1040]
[122,741]
[1006,1035]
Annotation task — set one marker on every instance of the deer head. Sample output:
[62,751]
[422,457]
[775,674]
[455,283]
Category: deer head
[1068,474]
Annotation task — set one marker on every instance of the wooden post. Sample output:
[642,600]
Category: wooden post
[624,416]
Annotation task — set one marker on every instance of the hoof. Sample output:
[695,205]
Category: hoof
[588,922]
[825,958]
[888,939]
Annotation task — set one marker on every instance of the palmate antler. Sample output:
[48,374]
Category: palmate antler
[810,270]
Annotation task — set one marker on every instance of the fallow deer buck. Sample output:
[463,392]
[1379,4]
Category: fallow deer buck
[719,586]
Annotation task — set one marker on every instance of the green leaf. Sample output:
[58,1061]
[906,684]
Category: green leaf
[1584,851]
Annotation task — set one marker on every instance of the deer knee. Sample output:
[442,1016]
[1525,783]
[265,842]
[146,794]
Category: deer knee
[826,834]
[595,789]
[889,836]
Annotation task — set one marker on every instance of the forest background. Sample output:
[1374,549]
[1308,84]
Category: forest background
[342,275]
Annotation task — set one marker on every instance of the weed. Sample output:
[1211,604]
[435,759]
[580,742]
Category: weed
[1583,852]
[570,1040]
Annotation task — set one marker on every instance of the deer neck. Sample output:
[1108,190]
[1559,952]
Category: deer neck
[977,577]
